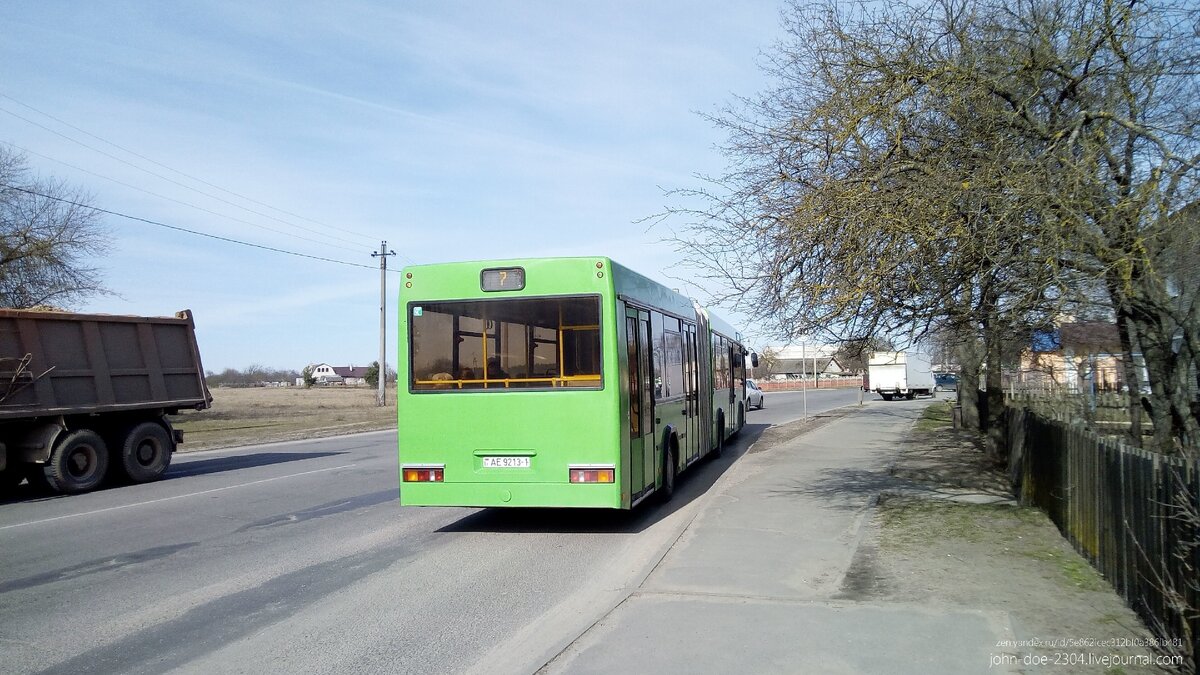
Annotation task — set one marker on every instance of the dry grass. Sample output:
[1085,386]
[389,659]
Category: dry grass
[262,415]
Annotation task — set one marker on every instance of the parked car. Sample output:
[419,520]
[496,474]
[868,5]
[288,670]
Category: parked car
[945,382]
[754,395]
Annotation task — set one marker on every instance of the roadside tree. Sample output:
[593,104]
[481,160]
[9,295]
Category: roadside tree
[978,168]
[49,237]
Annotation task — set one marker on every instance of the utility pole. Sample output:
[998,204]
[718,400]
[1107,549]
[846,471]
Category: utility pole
[803,383]
[381,397]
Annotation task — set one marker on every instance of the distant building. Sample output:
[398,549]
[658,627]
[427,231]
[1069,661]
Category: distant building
[823,366]
[323,373]
[1079,356]
[350,376]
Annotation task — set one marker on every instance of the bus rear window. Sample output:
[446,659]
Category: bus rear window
[514,343]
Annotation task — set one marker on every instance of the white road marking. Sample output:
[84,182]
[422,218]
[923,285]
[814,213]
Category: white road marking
[167,499]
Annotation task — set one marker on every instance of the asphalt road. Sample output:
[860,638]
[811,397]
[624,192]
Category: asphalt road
[298,558]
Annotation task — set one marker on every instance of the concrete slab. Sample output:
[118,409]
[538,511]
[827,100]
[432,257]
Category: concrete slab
[671,633]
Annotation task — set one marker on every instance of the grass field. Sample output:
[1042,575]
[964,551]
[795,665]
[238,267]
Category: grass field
[263,415]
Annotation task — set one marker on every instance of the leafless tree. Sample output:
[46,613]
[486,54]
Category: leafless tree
[975,166]
[49,239]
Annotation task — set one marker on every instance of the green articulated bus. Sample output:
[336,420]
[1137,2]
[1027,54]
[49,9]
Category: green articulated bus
[560,382]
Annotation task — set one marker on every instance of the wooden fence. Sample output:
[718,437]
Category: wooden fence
[823,383]
[1132,513]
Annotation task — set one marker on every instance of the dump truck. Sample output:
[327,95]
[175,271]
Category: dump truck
[900,374]
[85,397]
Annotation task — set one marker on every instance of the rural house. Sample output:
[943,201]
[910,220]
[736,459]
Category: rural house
[803,368]
[1074,356]
[323,373]
[352,376]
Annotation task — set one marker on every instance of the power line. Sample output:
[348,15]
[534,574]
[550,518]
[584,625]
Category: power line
[183,229]
[175,182]
[177,201]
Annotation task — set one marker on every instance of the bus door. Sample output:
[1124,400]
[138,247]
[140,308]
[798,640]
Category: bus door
[692,449]
[641,414]
[735,385]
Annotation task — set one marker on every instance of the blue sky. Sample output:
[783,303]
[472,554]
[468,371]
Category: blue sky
[454,130]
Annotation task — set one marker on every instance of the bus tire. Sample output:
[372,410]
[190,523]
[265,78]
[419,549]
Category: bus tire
[668,484]
[146,452]
[77,463]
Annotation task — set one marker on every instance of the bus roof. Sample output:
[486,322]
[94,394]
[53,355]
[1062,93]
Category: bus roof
[626,282]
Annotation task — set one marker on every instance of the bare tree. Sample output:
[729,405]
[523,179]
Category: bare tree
[1108,92]
[49,238]
[977,167]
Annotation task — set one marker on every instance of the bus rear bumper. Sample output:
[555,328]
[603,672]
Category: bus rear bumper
[552,495]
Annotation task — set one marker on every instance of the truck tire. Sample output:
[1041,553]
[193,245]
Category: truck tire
[77,463]
[886,397]
[146,452]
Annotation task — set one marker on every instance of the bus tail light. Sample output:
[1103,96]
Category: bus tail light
[423,474]
[593,474]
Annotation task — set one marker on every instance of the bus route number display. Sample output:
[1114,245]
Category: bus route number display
[503,279]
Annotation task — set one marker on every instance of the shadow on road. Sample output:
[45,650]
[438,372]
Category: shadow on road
[27,492]
[693,483]
[232,463]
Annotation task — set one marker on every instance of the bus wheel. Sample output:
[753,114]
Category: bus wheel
[146,452]
[668,484]
[77,463]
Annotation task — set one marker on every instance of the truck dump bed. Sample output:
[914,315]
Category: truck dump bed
[61,363]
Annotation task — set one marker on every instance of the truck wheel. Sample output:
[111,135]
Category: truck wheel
[146,452]
[910,395]
[886,397]
[78,462]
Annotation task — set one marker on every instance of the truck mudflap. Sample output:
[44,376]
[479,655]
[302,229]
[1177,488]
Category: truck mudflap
[35,444]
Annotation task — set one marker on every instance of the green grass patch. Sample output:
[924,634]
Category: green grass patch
[1075,571]
[917,522]
[936,417]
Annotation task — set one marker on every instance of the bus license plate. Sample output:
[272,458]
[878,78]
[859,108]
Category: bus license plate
[506,462]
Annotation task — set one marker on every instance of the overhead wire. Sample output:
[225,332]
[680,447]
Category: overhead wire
[175,182]
[189,231]
[178,201]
